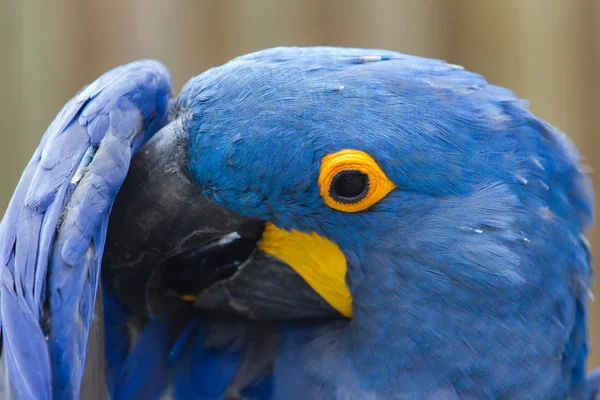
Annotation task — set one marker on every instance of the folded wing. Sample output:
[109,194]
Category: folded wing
[52,235]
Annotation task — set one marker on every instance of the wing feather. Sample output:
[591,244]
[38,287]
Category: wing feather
[52,235]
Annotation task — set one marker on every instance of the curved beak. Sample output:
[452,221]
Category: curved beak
[168,242]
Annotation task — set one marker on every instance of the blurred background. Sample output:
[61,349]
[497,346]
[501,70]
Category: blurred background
[547,51]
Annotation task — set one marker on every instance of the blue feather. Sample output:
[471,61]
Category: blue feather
[144,374]
[53,232]
[173,353]
[470,278]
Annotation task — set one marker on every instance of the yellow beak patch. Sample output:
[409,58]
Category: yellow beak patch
[317,260]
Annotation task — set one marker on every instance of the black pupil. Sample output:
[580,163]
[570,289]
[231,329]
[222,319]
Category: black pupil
[350,184]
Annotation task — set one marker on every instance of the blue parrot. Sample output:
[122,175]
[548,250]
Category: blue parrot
[299,223]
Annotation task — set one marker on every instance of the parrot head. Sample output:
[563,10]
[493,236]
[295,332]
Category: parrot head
[405,193]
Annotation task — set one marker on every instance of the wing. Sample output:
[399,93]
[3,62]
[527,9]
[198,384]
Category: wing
[52,235]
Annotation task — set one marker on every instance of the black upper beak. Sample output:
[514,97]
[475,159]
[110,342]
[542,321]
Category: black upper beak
[166,242]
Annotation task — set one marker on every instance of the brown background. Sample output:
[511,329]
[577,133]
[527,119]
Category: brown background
[547,51]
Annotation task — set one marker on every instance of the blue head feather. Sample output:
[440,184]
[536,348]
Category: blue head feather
[470,277]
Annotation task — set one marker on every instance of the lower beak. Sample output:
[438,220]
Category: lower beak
[167,242]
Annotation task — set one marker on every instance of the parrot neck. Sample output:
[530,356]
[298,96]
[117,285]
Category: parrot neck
[431,332]
[383,323]
[405,324]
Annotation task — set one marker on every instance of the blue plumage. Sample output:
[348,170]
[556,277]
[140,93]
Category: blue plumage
[468,281]
[174,353]
[69,184]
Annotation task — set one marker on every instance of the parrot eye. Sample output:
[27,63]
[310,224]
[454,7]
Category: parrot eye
[349,186]
[351,181]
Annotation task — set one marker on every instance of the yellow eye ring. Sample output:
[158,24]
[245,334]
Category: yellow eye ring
[351,181]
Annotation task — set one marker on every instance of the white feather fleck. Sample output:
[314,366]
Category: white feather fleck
[522,180]
[546,213]
[83,164]
[368,59]
[537,163]
[585,241]
[590,294]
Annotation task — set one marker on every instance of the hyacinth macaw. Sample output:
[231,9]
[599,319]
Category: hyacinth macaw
[299,223]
